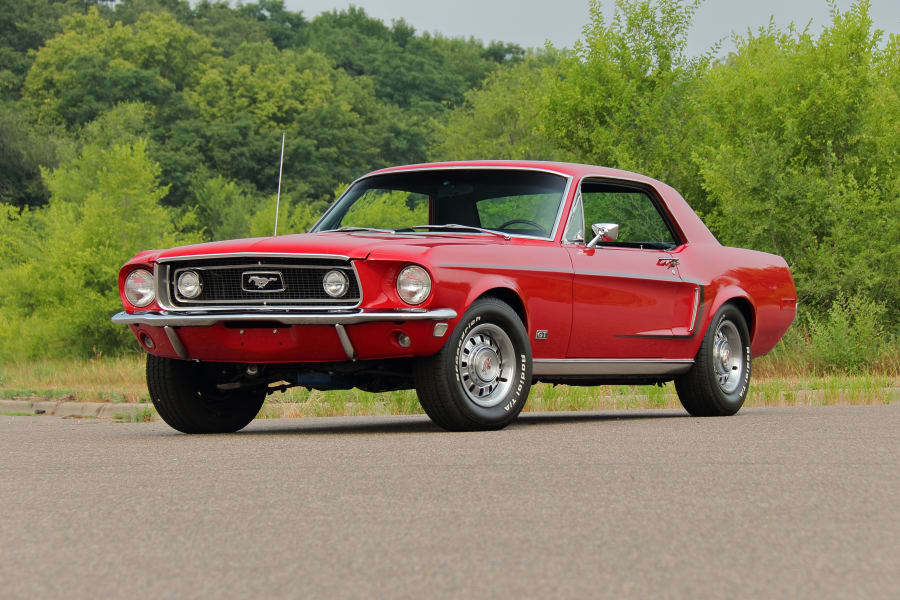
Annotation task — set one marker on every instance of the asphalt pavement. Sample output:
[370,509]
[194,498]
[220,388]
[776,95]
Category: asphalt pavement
[788,503]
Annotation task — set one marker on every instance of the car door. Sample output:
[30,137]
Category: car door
[629,300]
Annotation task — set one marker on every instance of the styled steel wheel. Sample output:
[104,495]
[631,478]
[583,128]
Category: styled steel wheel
[728,356]
[486,365]
[717,384]
[186,397]
[482,376]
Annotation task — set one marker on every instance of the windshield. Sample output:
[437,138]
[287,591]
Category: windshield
[505,200]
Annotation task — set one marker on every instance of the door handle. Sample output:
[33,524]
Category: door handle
[667,262]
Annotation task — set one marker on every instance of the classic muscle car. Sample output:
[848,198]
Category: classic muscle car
[467,281]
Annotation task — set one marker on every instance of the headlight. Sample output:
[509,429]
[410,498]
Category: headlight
[335,283]
[189,284]
[139,288]
[413,285]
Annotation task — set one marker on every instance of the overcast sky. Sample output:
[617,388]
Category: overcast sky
[531,22]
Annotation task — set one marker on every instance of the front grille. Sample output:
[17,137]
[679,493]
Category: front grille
[244,282]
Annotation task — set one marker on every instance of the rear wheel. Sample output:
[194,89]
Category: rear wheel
[717,383]
[186,397]
[482,376]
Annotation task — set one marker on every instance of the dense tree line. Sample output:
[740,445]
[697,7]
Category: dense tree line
[145,123]
[142,123]
[789,144]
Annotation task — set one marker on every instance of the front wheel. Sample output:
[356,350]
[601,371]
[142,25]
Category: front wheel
[186,397]
[482,376]
[717,383]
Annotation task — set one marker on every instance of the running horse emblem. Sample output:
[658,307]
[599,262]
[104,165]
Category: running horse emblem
[261,282]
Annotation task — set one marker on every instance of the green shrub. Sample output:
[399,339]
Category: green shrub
[851,336]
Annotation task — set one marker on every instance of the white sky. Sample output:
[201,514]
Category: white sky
[531,22]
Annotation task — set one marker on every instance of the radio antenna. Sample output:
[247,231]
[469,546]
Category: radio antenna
[278,195]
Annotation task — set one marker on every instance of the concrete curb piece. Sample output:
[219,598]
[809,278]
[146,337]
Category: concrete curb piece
[102,410]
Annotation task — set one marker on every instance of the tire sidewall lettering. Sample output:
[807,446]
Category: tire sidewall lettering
[523,362]
[747,363]
[739,394]
[516,392]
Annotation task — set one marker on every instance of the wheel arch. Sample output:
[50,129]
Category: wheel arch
[744,305]
[509,296]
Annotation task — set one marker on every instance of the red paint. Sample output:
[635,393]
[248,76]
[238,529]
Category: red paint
[581,297]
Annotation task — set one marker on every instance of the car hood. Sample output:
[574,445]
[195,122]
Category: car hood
[354,245]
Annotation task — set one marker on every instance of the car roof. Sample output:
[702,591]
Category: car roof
[576,170]
[692,228]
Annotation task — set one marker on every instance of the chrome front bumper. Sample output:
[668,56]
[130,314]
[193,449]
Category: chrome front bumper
[205,319]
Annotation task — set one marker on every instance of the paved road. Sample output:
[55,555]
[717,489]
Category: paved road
[799,502]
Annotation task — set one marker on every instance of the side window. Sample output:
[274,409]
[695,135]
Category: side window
[640,223]
[387,209]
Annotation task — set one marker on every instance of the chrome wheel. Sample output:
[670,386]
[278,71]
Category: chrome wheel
[728,356]
[485,365]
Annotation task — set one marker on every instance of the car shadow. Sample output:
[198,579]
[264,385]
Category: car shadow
[421,423]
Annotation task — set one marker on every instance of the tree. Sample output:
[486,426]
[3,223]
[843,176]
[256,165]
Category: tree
[621,97]
[58,291]
[335,127]
[23,151]
[93,65]
[24,26]
[799,156]
[502,119]
[426,73]
[223,208]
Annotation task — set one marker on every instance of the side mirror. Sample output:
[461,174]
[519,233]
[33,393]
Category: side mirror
[604,232]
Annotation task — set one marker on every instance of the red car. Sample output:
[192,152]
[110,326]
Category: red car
[469,282]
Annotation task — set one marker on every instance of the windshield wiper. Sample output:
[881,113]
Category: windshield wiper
[505,236]
[373,229]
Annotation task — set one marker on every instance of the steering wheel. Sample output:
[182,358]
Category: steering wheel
[526,222]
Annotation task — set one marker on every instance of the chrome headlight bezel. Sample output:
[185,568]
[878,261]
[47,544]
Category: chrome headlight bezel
[336,283]
[139,288]
[414,285]
[187,288]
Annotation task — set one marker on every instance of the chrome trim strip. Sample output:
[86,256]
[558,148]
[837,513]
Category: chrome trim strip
[694,312]
[672,279]
[298,255]
[576,202]
[610,366]
[205,319]
[450,233]
[415,169]
[345,341]
[505,268]
[562,204]
[177,345]
[263,266]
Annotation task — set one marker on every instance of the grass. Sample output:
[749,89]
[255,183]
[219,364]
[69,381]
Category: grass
[776,382]
[95,380]
[778,391]
[17,414]
[142,415]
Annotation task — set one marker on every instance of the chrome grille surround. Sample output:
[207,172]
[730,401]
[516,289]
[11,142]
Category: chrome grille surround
[224,290]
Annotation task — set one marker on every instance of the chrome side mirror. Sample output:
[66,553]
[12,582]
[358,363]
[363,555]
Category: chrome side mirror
[604,232]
